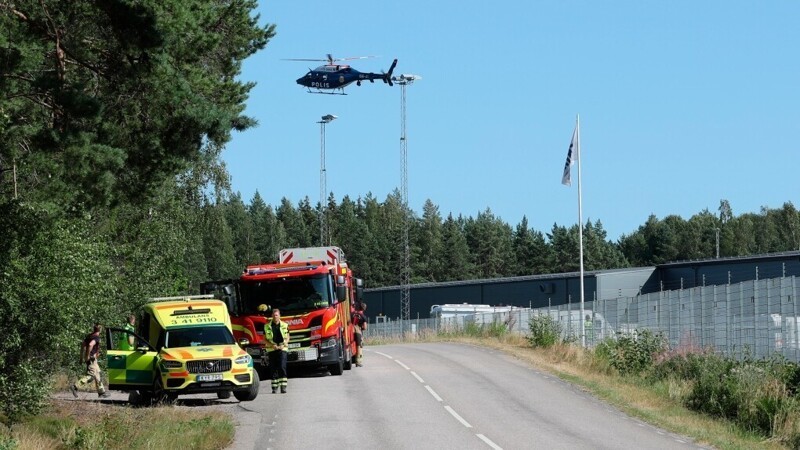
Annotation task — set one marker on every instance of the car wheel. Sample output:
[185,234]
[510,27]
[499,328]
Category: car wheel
[251,393]
[160,395]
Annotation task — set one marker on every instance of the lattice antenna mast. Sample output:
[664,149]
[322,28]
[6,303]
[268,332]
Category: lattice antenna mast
[404,81]
[323,177]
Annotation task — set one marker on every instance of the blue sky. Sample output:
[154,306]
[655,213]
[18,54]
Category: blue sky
[682,104]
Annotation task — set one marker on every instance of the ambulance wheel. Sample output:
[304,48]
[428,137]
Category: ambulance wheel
[160,395]
[223,395]
[140,398]
[137,398]
[251,393]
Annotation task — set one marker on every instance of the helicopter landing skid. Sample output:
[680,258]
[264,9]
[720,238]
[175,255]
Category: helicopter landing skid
[327,93]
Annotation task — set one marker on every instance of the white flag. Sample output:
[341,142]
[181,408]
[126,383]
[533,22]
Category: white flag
[572,156]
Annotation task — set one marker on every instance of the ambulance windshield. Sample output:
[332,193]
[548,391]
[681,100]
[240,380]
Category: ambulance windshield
[198,336]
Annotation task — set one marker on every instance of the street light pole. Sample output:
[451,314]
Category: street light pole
[323,177]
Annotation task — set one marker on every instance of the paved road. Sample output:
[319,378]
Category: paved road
[435,396]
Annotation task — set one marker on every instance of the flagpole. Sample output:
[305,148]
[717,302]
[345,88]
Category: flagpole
[580,223]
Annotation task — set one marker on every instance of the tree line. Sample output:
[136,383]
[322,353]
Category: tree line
[113,116]
[464,248]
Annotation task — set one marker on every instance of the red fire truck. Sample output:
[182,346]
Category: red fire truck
[314,289]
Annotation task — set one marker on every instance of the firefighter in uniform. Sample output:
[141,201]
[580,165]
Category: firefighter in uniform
[359,325]
[277,334]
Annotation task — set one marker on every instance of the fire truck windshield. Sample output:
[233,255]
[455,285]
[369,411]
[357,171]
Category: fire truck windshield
[291,295]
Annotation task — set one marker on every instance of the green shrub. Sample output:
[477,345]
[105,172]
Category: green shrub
[632,354]
[56,282]
[472,329]
[23,389]
[496,329]
[603,350]
[678,365]
[545,331]
[8,442]
[754,394]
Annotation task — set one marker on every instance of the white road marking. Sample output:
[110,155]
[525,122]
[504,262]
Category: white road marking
[384,354]
[417,377]
[459,418]
[402,365]
[433,393]
[489,442]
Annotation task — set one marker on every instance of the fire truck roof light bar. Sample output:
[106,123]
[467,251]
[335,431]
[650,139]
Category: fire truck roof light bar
[261,270]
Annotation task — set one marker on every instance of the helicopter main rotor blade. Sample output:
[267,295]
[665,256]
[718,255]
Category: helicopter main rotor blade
[355,57]
[330,59]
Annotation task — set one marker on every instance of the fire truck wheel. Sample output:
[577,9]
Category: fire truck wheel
[348,361]
[337,368]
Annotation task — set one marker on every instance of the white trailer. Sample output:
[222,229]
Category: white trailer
[465,309]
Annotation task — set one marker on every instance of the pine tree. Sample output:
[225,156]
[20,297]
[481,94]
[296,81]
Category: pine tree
[427,260]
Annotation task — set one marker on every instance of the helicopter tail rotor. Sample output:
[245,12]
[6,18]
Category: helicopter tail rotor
[387,77]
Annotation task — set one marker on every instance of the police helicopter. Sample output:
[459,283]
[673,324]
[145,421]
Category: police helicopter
[332,78]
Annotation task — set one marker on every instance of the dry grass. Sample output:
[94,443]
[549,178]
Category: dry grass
[91,425]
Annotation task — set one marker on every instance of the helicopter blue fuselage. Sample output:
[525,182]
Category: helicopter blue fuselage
[338,76]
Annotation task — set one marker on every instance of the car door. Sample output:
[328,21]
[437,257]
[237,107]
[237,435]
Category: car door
[129,369]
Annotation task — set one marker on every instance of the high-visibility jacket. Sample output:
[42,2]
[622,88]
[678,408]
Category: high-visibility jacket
[284,331]
[124,342]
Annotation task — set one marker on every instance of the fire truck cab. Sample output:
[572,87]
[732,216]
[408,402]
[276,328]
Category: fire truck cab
[314,289]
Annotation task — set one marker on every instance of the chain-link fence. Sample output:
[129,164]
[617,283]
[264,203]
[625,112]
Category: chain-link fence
[756,319]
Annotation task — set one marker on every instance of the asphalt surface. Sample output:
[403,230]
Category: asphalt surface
[433,396]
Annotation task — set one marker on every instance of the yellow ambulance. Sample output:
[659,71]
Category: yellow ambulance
[183,345]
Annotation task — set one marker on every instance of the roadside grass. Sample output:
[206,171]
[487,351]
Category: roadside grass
[656,402]
[91,425]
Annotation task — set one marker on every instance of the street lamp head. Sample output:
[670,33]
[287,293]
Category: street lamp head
[406,78]
[328,118]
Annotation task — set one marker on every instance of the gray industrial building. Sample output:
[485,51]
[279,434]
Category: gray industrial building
[558,289]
